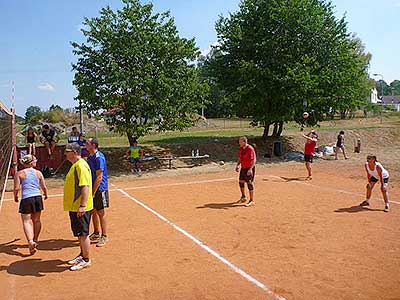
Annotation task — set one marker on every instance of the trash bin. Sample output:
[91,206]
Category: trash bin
[278,148]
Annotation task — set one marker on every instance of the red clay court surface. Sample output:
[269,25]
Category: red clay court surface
[302,240]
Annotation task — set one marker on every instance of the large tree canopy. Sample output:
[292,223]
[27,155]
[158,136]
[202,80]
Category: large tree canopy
[136,70]
[276,58]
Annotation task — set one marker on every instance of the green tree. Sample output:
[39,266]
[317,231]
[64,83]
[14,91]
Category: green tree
[383,88]
[31,112]
[55,107]
[395,87]
[136,70]
[278,58]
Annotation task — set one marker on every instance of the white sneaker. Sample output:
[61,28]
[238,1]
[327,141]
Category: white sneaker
[250,203]
[81,265]
[75,260]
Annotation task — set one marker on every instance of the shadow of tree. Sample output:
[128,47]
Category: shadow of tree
[35,267]
[221,205]
[355,209]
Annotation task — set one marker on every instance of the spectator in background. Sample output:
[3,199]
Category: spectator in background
[82,142]
[31,138]
[135,153]
[49,139]
[74,135]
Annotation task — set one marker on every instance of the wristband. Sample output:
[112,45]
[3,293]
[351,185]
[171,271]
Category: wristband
[82,206]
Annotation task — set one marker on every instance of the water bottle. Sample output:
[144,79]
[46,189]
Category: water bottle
[192,152]
[197,152]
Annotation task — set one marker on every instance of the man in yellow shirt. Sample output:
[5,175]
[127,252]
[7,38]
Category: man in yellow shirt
[78,202]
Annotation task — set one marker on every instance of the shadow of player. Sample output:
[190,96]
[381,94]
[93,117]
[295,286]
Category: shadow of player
[355,209]
[222,205]
[35,267]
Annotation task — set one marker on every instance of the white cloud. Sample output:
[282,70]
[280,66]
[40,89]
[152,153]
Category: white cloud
[46,87]
[205,52]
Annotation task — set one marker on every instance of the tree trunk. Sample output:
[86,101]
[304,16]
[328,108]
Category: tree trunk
[280,128]
[275,131]
[343,114]
[266,131]
[131,138]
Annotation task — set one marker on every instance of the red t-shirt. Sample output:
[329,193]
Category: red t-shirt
[309,148]
[246,156]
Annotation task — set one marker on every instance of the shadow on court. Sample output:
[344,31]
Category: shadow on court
[222,205]
[287,179]
[35,267]
[355,209]
[11,248]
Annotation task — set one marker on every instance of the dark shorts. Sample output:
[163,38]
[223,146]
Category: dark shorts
[80,226]
[243,174]
[31,205]
[385,180]
[101,200]
[308,158]
[135,160]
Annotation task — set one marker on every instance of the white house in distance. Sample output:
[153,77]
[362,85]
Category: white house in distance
[374,96]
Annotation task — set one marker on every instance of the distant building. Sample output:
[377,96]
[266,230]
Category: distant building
[374,96]
[392,100]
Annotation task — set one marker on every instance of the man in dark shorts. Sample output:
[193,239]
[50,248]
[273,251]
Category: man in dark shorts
[246,165]
[98,167]
[49,139]
[78,202]
[309,150]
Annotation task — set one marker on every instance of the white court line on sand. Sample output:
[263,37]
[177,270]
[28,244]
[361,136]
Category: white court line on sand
[206,248]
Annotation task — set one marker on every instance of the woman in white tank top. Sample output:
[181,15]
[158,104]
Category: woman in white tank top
[376,172]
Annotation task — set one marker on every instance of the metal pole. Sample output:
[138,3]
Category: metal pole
[81,115]
[381,94]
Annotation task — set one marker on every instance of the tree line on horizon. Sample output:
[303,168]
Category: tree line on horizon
[274,60]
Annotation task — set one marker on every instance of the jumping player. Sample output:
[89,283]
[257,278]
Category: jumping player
[246,165]
[376,172]
[309,150]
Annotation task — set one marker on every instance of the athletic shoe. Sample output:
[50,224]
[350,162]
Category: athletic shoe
[32,247]
[81,265]
[250,203]
[75,261]
[102,242]
[386,208]
[94,236]
[241,200]
[364,203]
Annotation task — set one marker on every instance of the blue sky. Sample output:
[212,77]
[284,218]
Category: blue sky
[35,37]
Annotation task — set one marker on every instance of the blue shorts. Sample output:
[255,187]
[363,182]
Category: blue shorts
[135,160]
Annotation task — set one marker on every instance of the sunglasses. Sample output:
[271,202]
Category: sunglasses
[68,150]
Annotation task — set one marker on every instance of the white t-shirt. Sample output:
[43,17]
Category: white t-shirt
[374,172]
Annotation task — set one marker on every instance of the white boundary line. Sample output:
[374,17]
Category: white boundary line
[206,248]
[329,189]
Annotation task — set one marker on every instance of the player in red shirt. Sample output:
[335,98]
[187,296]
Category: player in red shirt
[246,164]
[309,149]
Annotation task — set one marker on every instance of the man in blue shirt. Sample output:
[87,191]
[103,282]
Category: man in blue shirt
[98,166]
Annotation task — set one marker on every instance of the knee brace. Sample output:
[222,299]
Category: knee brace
[241,184]
[250,186]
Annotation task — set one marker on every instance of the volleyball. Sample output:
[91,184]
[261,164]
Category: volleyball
[305,115]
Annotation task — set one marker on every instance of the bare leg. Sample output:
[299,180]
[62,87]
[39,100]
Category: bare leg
[242,189]
[27,225]
[385,193]
[37,225]
[103,221]
[34,149]
[308,167]
[344,152]
[96,223]
[251,195]
[370,186]
[84,243]
[29,148]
